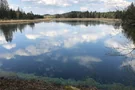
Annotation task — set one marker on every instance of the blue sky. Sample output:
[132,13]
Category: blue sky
[61,6]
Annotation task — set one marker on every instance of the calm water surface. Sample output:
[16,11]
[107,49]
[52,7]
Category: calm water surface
[69,50]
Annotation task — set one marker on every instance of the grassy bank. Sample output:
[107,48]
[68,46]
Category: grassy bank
[58,19]
[22,21]
[87,19]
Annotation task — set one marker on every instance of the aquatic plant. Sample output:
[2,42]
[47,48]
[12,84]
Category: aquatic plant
[8,74]
[89,82]
[71,88]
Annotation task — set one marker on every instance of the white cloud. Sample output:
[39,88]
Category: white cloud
[43,47]
[6,45]
[116,4]
[21,52]
[53,38]
[87,60]
[83,8]
[9,46]
[120,46]
[32,36]
[129,63]
[80,38]
[69,39]
[60,6]
[49,33]
[7,56]
[2,40]
[63,3]
[14,6]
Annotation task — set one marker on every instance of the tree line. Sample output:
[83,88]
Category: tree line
[78,14]
[7,13]
[127,15]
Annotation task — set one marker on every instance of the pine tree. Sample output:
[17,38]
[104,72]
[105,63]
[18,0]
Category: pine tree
[129,15]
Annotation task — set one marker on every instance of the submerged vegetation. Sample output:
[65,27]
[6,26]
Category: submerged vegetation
[87,84]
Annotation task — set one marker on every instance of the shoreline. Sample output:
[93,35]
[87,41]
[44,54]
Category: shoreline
[23,21]
[86,19]
[58,19]
[21,81]
[20,84]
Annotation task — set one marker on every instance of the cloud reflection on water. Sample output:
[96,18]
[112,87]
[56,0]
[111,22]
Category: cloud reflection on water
[124,47]
[53,39]
[129,65]
[9,46]
[86,60]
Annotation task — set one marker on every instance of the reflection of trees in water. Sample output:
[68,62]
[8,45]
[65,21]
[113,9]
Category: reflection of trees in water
[90,23]
[32,25]
[8,30]
[129,32]
[125,48]
[117,25]
[130,72]
[129,65]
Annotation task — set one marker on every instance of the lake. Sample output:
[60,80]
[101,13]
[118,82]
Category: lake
[69,50]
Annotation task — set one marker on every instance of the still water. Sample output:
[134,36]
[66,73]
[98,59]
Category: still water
[69,50]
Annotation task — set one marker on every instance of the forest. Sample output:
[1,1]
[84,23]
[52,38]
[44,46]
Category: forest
[127,15]
[78,14]
[6,13]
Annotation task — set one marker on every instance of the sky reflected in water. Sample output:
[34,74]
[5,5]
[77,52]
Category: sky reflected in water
[74,50]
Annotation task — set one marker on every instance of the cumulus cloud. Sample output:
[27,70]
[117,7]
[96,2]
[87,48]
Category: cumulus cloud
[116,4]
[124,47]
[43,47]
[21,52]
[2,40]
[6,45]
[32,36]
[7,56]
[129,63]
[53,38]
[80,38]
[87,60]
[69,39]
[14,6]
[9,46]
[61,6]
[63,3]
[83,8]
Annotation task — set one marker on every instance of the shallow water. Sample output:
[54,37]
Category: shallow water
[69,50]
